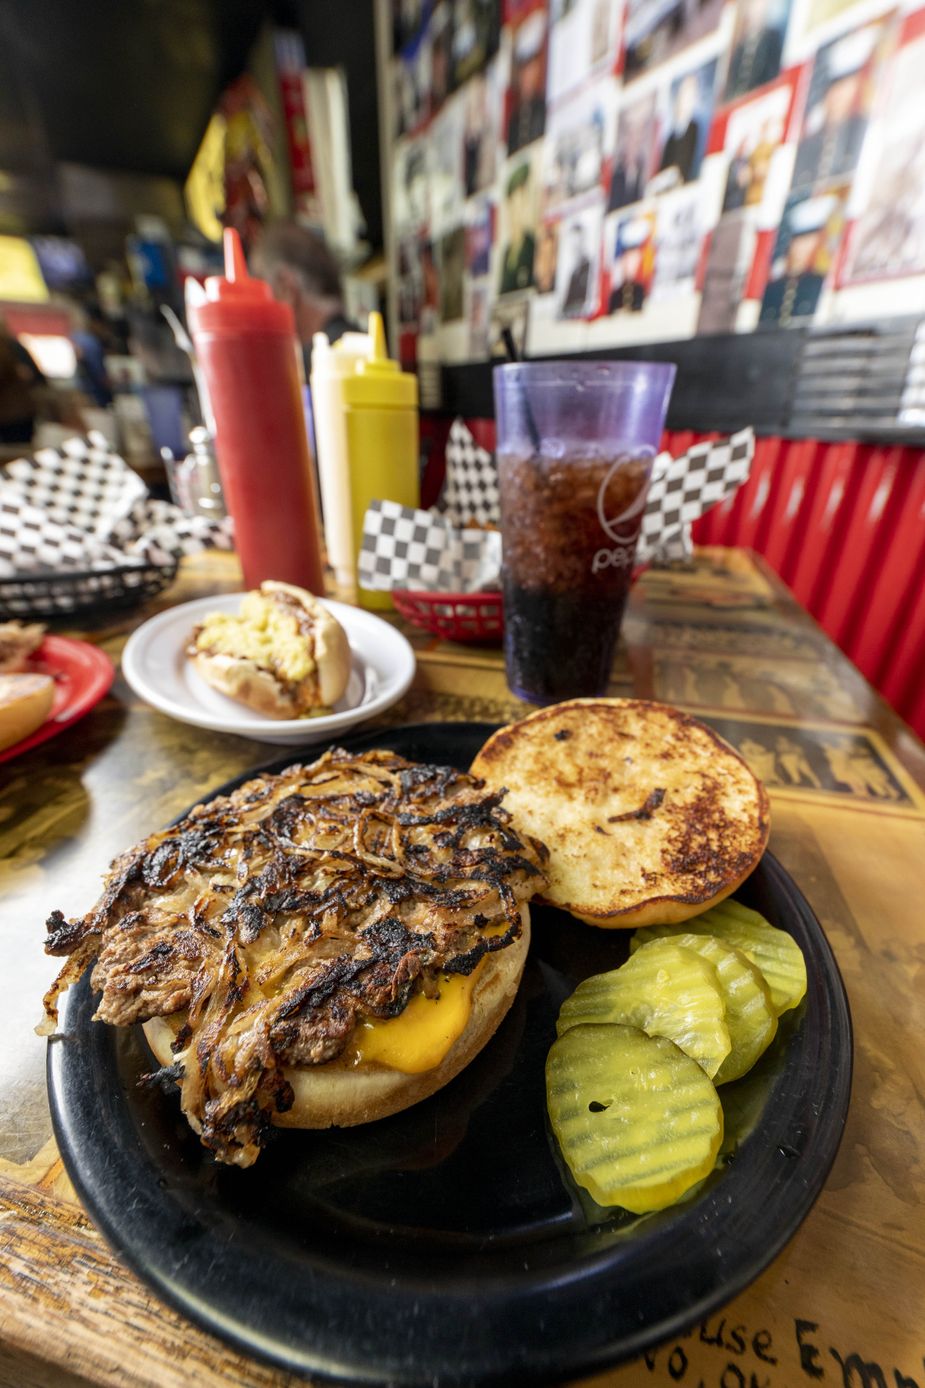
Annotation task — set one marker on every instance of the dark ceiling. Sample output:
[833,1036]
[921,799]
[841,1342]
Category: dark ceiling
[129,85]
[119,84]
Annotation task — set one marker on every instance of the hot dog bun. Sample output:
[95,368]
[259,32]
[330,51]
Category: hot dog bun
[284,654]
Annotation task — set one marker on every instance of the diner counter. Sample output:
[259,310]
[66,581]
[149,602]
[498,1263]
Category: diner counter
[845,1301]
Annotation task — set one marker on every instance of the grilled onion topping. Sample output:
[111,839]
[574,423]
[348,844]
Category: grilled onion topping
[279,917]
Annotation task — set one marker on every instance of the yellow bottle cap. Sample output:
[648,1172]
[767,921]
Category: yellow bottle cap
[379,382]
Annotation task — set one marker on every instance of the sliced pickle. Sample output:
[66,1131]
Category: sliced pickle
[664,989]
[776,953]
[750,1015]
[638,1122]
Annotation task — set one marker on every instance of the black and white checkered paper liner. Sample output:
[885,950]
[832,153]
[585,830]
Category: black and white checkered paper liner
[81,507]
[683,489]
[425,551]
[470,491]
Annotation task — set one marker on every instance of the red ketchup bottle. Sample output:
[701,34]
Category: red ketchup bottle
[246,344]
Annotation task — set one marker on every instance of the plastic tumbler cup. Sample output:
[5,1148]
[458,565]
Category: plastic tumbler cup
[576,442]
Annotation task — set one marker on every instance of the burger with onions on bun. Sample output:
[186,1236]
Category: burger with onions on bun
[324,946]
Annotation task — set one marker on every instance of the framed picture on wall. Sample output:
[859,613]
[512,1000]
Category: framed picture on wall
[526,119]
[475,36]
[887,240]
[654,30]
[584,41]
[578,134]
[757,46]
[517,222]
[838,106]
[730,258]
[635,153]
[632,265]
[804,254]
[685,123]
[578,262]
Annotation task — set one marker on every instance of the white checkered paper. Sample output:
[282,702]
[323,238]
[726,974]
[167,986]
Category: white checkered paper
[423,551]
[81,508]
[685,488]
[433,551]
[470,492]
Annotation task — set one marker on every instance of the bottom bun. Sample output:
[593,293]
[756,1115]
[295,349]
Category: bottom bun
[343,1093]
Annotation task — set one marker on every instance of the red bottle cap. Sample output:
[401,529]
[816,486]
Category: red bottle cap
[236,302]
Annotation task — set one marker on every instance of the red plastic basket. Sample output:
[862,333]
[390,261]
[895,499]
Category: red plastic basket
[454,616]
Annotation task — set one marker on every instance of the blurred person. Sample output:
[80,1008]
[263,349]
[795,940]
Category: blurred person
[795,764]
[303,273]
[20,384]
[761,759]
[92,340]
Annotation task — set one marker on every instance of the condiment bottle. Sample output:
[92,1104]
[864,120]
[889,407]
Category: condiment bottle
[246,345]
[366,434]
[331,366]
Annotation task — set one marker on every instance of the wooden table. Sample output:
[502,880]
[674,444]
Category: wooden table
[843,1304]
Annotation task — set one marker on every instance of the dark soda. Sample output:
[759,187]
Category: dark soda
[570,526]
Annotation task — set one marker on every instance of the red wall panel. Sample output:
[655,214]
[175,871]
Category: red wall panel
[844,525]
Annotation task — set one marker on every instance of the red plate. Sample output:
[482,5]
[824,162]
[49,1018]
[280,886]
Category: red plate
[82,674]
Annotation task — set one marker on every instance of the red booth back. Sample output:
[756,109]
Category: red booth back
[843,524]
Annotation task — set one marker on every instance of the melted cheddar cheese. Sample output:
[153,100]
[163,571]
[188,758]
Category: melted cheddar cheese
[418,1038]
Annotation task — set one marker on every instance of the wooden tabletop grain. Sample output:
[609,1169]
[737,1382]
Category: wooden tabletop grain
[844,1304]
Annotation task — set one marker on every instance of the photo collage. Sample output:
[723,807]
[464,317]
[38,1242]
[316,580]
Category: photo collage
[592,173]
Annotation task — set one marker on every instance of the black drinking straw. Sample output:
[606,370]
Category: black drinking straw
[510,346]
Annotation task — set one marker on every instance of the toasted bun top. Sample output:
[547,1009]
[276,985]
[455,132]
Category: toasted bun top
[648,815]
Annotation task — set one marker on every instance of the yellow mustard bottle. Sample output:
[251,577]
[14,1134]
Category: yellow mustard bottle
[380,403]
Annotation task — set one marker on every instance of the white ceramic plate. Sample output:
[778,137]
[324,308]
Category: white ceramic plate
[155,666]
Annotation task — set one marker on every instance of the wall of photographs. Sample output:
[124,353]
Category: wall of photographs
[601,173]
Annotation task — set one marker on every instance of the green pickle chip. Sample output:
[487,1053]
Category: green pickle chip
[665,990]
[750,1015]
[773,951]
[638,1121]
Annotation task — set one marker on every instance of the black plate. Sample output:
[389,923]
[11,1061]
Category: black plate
[447,1245]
